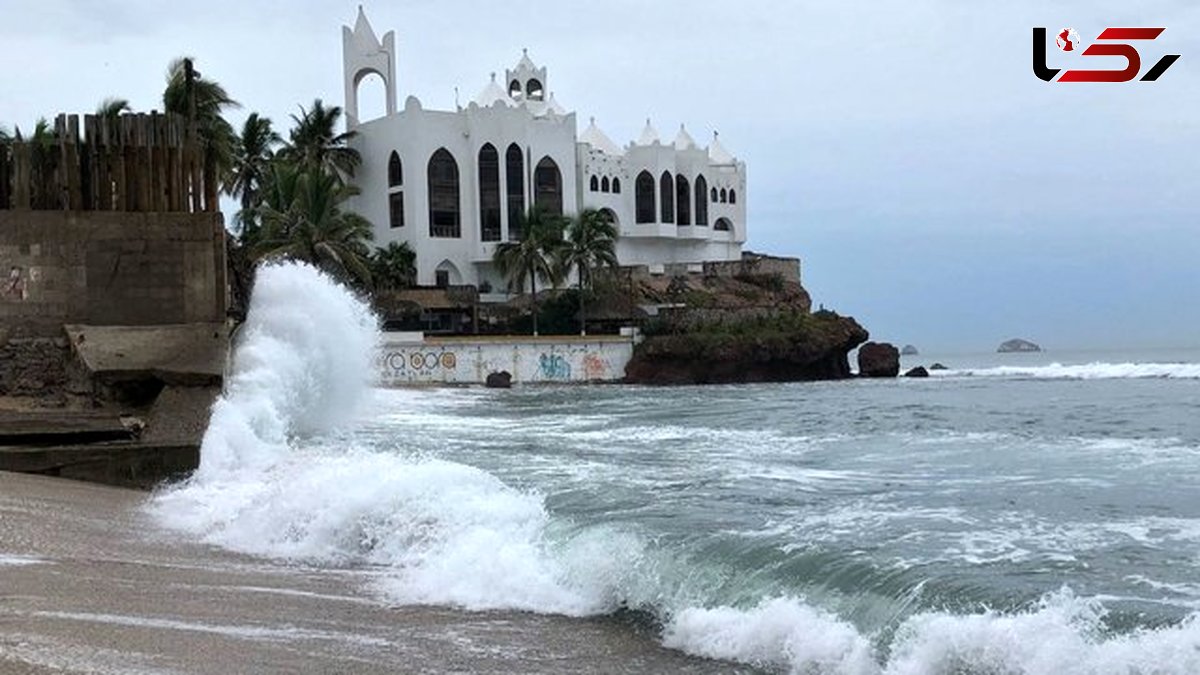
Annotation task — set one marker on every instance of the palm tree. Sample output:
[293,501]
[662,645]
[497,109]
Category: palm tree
[315,143]
[302,219]
[203,101]
[591,243]
[251,162]
[394,266]
[531,258]
[43,160]
[112,107]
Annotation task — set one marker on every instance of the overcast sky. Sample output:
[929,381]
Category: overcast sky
[934,188]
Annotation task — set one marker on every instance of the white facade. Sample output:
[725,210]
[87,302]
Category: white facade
[464,174]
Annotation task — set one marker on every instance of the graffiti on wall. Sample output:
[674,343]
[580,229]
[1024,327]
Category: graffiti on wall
[14,287]
[554,367]
[418,362]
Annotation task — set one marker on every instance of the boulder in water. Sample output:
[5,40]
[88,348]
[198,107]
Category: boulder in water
[938,366]
[500,380]
[909,350]
[878,359]
[1018,345]
[919,371]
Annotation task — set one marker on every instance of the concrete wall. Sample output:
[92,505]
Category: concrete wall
[407,360]
[109,268]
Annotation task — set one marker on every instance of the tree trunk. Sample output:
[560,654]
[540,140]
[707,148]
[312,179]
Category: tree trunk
[582,313]
[533,284]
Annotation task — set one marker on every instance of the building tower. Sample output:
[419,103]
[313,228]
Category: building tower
[362,55]
[527,82]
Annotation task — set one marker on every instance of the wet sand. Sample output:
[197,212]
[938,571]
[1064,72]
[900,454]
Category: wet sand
[89,584]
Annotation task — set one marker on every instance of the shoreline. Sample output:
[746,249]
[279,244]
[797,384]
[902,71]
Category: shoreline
[92,584]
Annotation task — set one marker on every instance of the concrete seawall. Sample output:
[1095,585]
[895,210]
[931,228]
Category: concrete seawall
[412,359]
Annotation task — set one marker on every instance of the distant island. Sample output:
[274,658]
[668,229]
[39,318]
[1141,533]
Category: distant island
[1018,345]
[909,350]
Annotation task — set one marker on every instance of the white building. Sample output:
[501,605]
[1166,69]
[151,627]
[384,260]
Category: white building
[450,183]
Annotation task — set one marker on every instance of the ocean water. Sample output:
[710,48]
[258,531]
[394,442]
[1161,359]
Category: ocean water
[1016,514]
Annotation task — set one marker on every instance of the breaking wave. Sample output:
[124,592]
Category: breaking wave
[1090,371]
[282,477]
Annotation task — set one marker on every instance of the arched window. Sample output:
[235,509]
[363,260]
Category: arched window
[547,183]
[611,216]
[714,195]
[445,218]
[723,225]
[724,196]
[616,186]
[514,89]
[534,90]
[605,186]
[701,201]
[732,196]
[595,185]
[395,171]
[489,193]
[514,174]
[683,201]
[643,197]
[667,189]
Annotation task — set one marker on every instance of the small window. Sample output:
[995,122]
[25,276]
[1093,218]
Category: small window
[442,278]
[643,189]
[396,209]
[514,89]
[733,196]
[714,195]
[724,196]
[605,186]
[395,171]
[723,225]
[667,198]
[595,184]
[616,186]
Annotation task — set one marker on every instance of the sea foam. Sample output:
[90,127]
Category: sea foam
[1089,371]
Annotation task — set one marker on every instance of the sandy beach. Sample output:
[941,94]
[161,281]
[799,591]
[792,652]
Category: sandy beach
[89,584]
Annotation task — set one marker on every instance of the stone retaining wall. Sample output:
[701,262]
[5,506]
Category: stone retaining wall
[408,360]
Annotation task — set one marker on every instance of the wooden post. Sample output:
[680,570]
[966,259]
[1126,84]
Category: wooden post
[72,168]
[21,176]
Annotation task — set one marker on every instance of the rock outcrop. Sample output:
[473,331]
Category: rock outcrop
[909,350]
[500,380]
[1018,345]
[788,348]
[938,366]
[878,359]
[919,371]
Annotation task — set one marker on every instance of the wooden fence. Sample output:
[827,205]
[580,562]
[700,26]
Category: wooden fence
[134,162]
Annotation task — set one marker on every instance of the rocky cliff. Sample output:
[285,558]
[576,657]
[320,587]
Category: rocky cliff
[789,346]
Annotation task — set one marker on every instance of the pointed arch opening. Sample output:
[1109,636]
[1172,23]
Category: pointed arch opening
[605,186]
[612,217]
[683,200]
[715,199]
[667,188]
[616,186]
[489,193]
[514,89]
[595,184]
[445,216]
[701,201]
[547,182]
[724,195]
[395,171]
[732,196]
[446,274]
[643,197]
[514,175]
[534,90]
